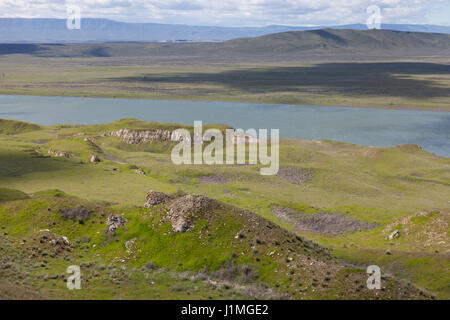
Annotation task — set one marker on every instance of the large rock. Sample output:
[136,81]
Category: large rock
[155,198]
[183,211]
[142,136]
[140,172]
[94,159]
[114,222]
[159,135]
[394,235]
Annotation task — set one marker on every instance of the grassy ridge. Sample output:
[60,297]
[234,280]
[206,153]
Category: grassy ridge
[10,127]
[11,194]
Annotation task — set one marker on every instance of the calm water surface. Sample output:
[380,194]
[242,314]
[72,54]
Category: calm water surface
[377,127]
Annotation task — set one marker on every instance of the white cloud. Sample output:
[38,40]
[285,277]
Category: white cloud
[231,12]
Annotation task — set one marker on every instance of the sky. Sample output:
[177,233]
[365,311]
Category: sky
[237,12]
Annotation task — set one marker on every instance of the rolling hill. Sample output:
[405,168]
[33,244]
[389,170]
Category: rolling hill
[286,44]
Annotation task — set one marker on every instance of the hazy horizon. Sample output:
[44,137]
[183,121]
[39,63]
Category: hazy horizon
[237,13]
[232,26]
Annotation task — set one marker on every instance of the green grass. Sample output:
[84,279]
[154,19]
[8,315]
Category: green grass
[394,83]
[11,194]
[376,185]
[13,127]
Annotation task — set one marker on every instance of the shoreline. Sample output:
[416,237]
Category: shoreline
[162,98]
[287,140]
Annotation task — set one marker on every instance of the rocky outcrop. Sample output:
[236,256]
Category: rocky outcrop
[114,222]
[60,154]
[183,211]
[142,136]
[155,198]
[159,135]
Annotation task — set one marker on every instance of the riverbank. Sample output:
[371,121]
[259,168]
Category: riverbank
[412,84]
[361,126]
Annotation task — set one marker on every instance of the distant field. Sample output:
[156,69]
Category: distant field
[402,84]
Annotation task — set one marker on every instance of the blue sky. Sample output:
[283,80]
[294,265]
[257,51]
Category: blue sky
[237,12]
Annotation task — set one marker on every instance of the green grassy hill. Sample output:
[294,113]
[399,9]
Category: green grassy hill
[254,229]
[13,127]
[226,252]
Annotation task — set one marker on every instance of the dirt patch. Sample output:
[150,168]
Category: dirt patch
[78,214]
[295,175]
[321,222]
[155,198]
[215,178]
[182,211]
[40,141]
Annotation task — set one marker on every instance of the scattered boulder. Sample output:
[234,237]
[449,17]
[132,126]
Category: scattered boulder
[183,211]
[394,235]
[90,139]
[140,172]
[47,243]
[94,159]
[60,154]
[388,252]
[114,222]
[155,198]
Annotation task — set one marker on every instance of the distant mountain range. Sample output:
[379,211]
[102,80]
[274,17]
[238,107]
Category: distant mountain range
[19,30]
[290,45]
